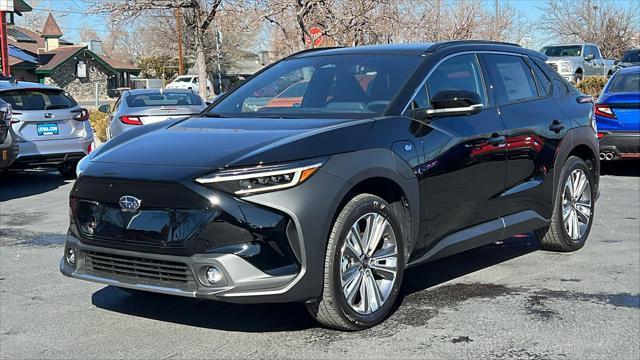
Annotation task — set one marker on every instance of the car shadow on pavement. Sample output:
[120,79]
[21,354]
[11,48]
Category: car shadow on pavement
[293,316]
[620,168]
[19,184]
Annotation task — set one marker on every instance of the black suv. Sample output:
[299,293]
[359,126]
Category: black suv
[327,174]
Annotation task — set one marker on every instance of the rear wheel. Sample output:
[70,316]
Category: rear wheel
[68,170]
[573,209]
[364,264]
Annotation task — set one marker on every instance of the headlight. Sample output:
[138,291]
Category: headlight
[260,178]
[566,67]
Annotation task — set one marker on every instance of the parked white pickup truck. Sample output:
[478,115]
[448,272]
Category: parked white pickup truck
[576,61]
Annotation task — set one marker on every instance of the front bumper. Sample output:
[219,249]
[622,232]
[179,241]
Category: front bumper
[270,246]
[167,274]
[619,145]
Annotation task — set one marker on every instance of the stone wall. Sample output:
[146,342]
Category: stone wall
[81,88]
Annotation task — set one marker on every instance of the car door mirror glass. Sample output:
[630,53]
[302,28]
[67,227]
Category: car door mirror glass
[106,108]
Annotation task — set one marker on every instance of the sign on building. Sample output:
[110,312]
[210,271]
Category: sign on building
[81,69]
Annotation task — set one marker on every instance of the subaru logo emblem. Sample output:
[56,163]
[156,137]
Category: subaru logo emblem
[48,115]
[129,203]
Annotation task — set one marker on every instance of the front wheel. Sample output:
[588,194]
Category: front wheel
[364,264]
[573,209]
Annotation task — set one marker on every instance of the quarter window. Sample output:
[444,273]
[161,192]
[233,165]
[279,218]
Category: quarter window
[458,73]
[513,80]
[543,82]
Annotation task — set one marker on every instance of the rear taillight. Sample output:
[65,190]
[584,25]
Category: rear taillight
[90,148]
[8,116]
[130,120]
[604,111]
[80,114]
[601,135]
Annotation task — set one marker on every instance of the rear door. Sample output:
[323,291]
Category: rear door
[535,127]
[43,114]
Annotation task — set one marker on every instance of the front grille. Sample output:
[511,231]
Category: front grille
[150,270]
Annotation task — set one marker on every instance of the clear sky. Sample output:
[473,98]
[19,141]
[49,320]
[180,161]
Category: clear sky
[73,15]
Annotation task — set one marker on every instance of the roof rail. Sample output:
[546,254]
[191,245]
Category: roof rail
[311,50]
[445,44]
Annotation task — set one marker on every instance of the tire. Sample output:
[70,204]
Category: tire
[558,236]
[333,309]
[68,170]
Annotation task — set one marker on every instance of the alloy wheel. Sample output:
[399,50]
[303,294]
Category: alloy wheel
[576,204]
[368,263]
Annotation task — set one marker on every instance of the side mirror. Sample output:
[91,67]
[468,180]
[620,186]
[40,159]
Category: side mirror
[451,103]
[589,57]
[106,108]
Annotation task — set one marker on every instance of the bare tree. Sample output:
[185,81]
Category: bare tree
[201,14]
[603,22]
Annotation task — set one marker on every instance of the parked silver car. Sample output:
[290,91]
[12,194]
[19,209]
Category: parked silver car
[51,129]
[147,106]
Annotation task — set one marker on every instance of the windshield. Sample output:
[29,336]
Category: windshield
[183,79]
[166,99]
[338,86]
[625,82]
[555,51]
[38,99]
[631,56]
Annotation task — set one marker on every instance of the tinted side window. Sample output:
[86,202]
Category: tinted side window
[563,85]
[596,52]
[457,73]
[420,100]
[543,82]
[512,77]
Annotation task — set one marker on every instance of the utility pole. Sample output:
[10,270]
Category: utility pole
[4,49]
[218,41]
[179,26]
[497,26]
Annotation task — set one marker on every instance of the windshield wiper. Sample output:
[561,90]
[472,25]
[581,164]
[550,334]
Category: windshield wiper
[214,115]
[55,107]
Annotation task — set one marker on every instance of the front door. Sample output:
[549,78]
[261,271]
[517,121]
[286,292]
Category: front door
[463,168]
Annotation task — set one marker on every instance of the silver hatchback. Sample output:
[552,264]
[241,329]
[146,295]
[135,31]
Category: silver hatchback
[147,106]
[51,129]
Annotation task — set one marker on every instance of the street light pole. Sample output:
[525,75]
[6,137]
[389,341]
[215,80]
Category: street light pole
[4,47]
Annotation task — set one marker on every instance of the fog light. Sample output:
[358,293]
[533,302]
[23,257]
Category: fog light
[71,257]
[214,274]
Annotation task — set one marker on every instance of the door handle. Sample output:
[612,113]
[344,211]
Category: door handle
[497,140]
[556,126]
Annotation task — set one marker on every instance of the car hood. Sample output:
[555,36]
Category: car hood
[215,143]
[565,58]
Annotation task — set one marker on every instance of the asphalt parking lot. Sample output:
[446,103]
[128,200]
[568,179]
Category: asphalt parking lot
[505,300]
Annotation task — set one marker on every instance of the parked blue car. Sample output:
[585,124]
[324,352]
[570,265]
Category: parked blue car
[617,114]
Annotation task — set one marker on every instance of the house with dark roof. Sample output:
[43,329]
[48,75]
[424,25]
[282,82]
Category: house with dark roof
[47,58]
